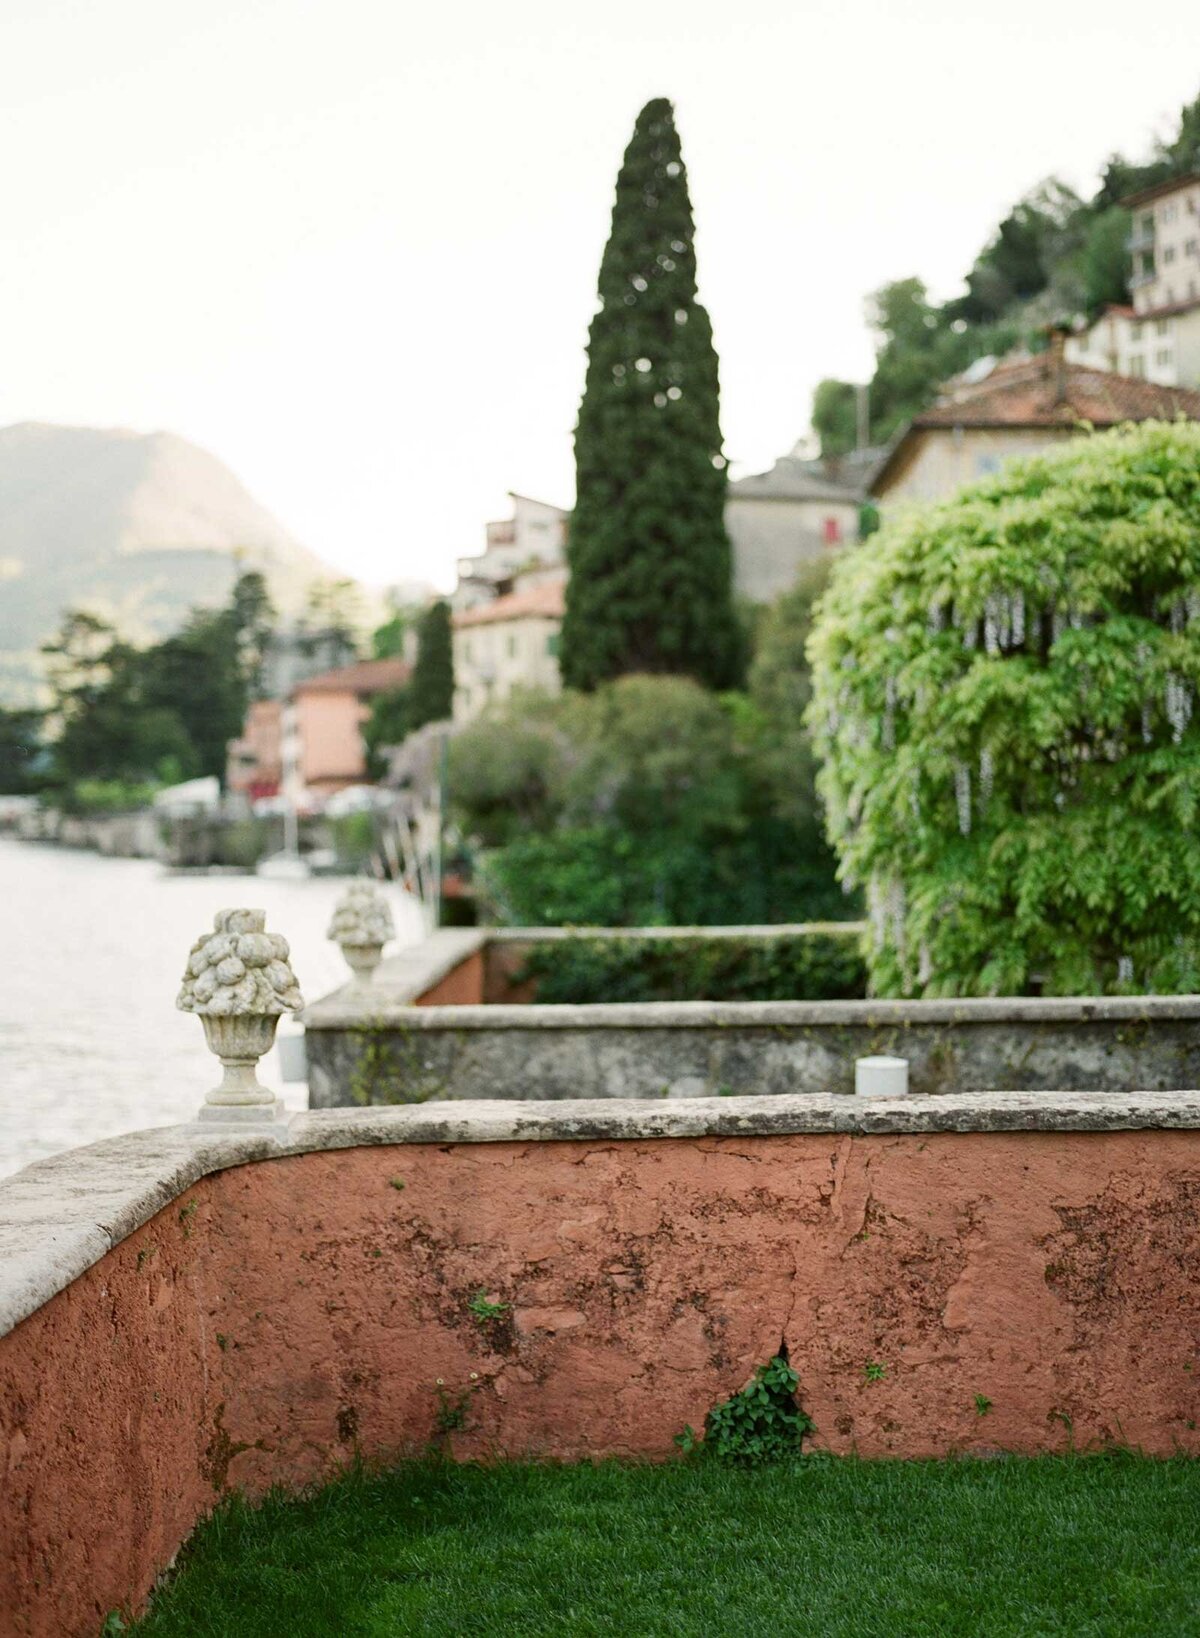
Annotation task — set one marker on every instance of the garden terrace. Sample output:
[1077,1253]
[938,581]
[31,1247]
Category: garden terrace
[246,1308]
[457,1017]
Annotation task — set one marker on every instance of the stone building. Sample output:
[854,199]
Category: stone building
[1019,408]
[530,545]
[1158,335]
[780,520]
[508,644]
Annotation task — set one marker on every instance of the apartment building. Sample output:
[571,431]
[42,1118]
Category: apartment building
[1157,337]
[508,644]
[531,544]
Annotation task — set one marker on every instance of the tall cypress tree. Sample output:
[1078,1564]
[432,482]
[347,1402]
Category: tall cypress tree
[431,687]
[651,572]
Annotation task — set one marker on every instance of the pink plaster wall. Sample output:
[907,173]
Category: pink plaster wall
[462,986]
[280,1315]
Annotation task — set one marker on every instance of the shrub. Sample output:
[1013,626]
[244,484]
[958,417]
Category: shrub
[762,1423]
[650,801]
[798,967]
[1003,699]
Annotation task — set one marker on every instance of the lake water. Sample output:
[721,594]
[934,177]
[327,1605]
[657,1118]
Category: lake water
[91,954]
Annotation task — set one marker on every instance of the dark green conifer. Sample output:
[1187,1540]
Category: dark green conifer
[651,582]
[431,688]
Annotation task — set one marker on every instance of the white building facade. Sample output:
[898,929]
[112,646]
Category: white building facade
[1157,338]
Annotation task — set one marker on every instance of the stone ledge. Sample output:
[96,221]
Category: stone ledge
[60,1216]
[381,1006]
[401,978]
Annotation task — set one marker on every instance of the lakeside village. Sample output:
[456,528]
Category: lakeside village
[871,1130]
[342,748]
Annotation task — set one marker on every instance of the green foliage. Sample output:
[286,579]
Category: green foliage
[107,796]
[651,577]
[23,757]
[483,1310]
[762,1423]
[1003,700]
[835,416]
[796,967]
[874,1370]
[159,714]
[649,802]
[431,689]
[388,724]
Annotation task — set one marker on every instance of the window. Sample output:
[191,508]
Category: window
[1137,364]
[1148,222]
[1163,327]
[1170,212]
[1135,332]
[986,464]
[1163,356]
[831,531]
[1190,246]
[552,645]
[512,645]
[1169,253]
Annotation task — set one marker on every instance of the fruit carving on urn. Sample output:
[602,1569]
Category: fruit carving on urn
[362,924]
[239,981]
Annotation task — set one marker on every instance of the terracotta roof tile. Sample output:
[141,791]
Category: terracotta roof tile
[547,601]
[366,677]
[1030,394]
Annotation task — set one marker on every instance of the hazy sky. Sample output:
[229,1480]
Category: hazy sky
[351,246]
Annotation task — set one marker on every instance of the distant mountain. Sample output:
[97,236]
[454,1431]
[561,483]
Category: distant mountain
[136,527]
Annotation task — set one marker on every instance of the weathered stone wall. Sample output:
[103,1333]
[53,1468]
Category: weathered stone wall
[370,1049]
[264,1322]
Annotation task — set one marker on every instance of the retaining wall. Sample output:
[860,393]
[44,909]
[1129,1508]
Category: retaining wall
[185,1313]
[420,1031]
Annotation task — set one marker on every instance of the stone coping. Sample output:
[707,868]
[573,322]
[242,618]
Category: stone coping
[753,932]
[60,1216]
[381,1005]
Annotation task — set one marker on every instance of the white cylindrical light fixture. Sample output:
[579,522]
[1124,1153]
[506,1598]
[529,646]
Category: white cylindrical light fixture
[880,1077]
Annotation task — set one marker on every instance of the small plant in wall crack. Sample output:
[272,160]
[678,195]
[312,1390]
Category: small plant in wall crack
[451,1415]
[485,1310]
[982,1404]
[762,1423]
[874,1370]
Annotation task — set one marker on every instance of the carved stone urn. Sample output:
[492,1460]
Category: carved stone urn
[239,982]
[362,924]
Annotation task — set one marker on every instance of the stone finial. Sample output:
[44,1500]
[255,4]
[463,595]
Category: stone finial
[239,981]
[362,924]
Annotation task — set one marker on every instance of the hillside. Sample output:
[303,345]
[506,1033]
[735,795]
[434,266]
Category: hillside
[136,527]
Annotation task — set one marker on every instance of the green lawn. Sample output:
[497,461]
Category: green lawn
[1082,1545]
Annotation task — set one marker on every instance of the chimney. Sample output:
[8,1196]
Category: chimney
[1056,362]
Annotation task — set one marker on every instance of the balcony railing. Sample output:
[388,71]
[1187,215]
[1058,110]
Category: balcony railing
[1140,239]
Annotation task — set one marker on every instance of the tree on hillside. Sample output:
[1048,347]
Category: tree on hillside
[431,688]
[1004,693]
[651,580]
[835,416]
[161,713]
[22,752]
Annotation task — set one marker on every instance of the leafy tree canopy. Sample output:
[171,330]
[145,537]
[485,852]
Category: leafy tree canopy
[1003,700]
